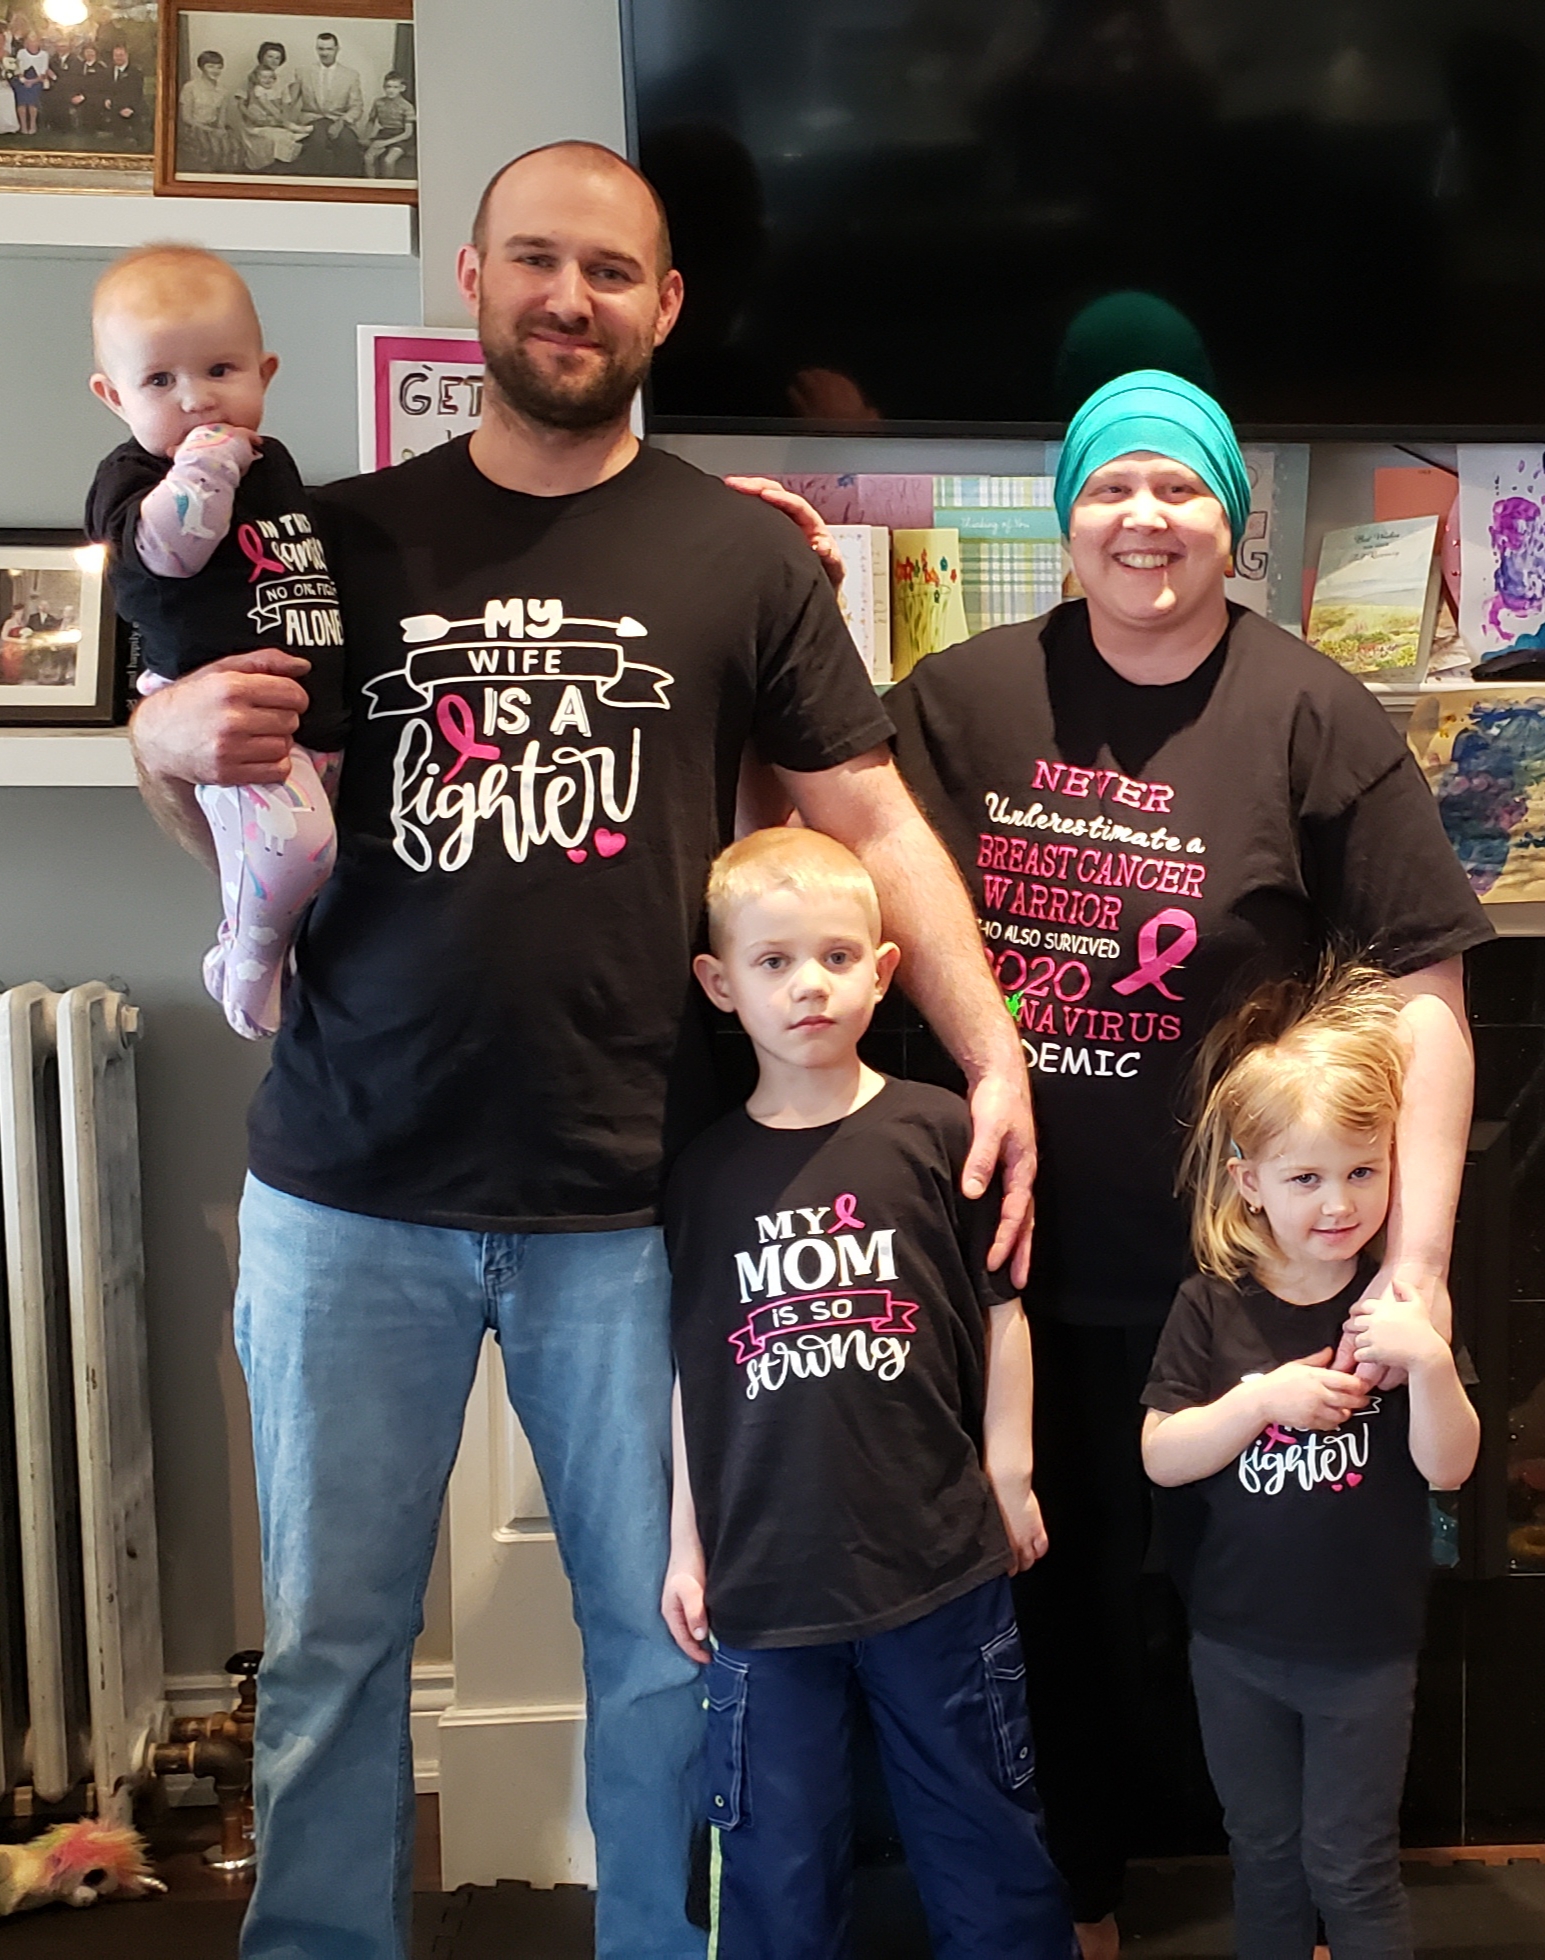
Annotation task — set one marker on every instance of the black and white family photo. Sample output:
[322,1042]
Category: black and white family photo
[304,99]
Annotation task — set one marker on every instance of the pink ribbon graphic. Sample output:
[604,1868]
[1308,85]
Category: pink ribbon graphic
[454,719]
[257,553]
[1275,1435]
[874,1309]
[845,1204]
[1153,963]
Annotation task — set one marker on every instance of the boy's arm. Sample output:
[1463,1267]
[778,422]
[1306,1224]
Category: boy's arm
[189,511]
[1008,1447]
[682,1602]
[1394,1331]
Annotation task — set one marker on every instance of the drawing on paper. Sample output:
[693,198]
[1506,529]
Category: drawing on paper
[1483,753]
[1502,544]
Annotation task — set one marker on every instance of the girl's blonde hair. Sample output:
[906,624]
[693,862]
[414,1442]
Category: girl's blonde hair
[1325,1051]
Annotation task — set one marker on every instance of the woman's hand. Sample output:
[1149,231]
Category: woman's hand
[806,516]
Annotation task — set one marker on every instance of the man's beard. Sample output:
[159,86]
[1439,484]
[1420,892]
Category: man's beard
[565,403]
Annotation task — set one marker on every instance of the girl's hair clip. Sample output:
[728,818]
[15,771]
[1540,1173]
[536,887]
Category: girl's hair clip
[1234,1149]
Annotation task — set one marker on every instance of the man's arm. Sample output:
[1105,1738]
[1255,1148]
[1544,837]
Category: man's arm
[927,911]
[232,722]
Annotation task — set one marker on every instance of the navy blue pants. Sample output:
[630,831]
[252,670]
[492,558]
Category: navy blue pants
[947,1698]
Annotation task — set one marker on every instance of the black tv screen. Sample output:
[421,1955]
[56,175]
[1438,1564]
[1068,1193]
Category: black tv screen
[968,212]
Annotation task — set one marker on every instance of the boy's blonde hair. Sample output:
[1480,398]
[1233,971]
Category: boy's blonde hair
[1326,1051]
[162,280]
[805,861]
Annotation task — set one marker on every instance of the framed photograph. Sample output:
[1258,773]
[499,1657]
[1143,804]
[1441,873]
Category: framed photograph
[78,87]
[418,387]
[265,100]
[59,636]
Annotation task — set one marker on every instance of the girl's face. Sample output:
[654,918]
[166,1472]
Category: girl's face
[1324,1191]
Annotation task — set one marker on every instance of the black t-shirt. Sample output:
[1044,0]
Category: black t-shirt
[266,584]
[1141,857]
[829,1288]
[1312,1544]
[493,1023]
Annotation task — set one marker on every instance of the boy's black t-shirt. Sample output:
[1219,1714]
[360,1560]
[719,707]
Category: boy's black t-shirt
[266,584]
[1141,857]
[828,1299]
[493,1024]
[1315,1545]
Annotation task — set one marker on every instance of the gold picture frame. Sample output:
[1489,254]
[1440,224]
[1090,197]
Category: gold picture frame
[88,120]
[288,99]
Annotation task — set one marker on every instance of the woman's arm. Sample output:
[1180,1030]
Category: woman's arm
[683,1601]
[1008,1447]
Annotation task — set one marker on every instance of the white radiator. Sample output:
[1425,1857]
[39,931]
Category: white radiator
[80,1619]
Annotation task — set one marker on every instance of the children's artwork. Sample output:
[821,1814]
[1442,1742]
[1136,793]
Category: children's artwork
[1376,598]
[1502,546]
[927,608]
[418,387]
[1483,752]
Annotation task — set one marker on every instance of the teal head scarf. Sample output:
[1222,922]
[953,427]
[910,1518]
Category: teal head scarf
[1152,410]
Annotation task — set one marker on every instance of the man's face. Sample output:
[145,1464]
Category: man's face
[120,57]
[569,302]
[327,50]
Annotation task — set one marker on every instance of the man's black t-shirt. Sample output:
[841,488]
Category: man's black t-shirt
[1141,857]
[1310,1544]
[493,1023]
[828,1294]
[267,582]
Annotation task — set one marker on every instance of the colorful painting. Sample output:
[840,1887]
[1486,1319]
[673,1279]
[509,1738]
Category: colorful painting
[927,609]
[1483,752]
[1502,546]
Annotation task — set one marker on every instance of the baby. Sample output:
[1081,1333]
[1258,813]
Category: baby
[212,551]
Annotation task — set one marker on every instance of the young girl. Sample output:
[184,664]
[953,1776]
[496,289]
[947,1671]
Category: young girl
[212,551]
[1306,1559]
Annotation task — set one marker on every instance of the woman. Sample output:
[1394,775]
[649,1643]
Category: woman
[204,144]
[1158,800]
[32,70]
[262,114]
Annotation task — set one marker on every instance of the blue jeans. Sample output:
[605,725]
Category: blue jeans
[359,1338]
[947,1697]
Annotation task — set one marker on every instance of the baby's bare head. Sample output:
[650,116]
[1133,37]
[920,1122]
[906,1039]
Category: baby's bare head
[161,287]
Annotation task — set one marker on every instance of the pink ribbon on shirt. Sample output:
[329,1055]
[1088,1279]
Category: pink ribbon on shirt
[454,719]
[1153,963]
[251,541]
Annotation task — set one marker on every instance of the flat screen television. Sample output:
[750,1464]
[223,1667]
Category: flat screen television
[960,214]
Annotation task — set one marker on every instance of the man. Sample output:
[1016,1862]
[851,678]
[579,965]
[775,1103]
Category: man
[88,87]
[563,645]
[333,104]
[125,94]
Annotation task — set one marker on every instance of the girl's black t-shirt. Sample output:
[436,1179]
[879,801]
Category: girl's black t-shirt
[493,1024]
[829,1288]
[267,582]
[1141,857]
[1313,1545]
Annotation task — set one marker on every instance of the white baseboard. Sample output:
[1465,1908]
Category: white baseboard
[434,1685]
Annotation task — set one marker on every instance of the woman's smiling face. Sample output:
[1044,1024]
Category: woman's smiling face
[1149,541]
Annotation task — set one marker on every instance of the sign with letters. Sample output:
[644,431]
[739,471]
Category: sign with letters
[418,387]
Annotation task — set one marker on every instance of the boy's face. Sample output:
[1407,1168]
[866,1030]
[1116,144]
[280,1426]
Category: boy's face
[167,375]
[804,974]
[393,86]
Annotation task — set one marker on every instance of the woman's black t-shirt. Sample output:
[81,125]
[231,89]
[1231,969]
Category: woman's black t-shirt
[267,583]
[1311,1545]
[829,1288]
[1141,857]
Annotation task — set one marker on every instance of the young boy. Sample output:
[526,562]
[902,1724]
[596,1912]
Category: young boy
[212,551]
[852,1468]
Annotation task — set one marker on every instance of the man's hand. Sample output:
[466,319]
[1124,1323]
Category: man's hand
[230,723]
[1309,1394]
[684,1607]
[806,516]
[1002,1130]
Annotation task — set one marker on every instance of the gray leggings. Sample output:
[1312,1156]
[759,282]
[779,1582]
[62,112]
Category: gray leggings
[1309,1758]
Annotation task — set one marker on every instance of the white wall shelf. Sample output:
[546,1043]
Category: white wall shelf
[116,220]
[65,758]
